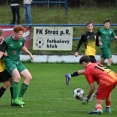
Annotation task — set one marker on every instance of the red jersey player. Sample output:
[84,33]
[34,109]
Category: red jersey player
[105,78]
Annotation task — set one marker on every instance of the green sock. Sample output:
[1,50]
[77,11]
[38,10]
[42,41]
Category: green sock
[23,90]
[108,66]
[15,89]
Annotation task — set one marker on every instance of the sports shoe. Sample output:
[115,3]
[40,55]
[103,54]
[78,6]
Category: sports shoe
[108,109]
[99,112]
[67,78]
[20,99]
[16,101]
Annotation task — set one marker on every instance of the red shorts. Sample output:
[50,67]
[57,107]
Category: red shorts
[103,90]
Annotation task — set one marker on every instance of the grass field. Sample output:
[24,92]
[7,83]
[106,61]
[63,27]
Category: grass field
[49,96]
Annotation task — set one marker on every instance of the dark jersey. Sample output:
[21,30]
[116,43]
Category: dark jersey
[89,40]
[2,49]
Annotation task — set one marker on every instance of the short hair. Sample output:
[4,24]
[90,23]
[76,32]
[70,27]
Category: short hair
[84,59]
[18,28]
[89,22]
[107,20]
[1,32]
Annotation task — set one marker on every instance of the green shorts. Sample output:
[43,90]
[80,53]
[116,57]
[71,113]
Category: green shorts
[11,65]
[106,53]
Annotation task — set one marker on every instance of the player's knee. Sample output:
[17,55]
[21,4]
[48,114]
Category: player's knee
[29,78]
[110,61]
[17,78]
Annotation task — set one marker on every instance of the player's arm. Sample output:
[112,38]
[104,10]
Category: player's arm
[81,72]
[78,46]
[90,93]
[90,80]
[98,41]
[115,37]
[91,90]
[28,52]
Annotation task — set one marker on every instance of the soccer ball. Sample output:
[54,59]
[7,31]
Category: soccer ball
[78,93]
[39,43]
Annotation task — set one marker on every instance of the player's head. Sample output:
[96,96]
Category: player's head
[1,35]
[89,26]
[84,60]
[18,32]
[107,23]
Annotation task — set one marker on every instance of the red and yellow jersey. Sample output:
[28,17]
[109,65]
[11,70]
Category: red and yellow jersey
[100,74]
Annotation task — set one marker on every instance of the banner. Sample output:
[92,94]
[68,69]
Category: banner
[52,38]
[8,31]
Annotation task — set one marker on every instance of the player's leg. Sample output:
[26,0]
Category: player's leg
[102,93]
[109,57]
[108,104]
[12,69]
[9,77]
[4,87]
[106,54]
[11,86]
[109,62]
[27,78]
[102,59]
[69,76]
[16,76]
[11,91]
[4,78]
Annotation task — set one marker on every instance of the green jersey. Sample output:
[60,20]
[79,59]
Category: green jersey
[13,48]
[105,36]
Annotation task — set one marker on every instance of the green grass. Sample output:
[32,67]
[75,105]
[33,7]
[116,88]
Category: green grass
[49,96]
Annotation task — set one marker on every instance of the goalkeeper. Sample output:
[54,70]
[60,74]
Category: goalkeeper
[105,78]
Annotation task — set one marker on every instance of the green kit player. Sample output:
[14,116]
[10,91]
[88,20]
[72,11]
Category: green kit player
[14,44]
[104,35]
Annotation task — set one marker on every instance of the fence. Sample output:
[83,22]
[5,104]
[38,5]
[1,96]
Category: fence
[62,25]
